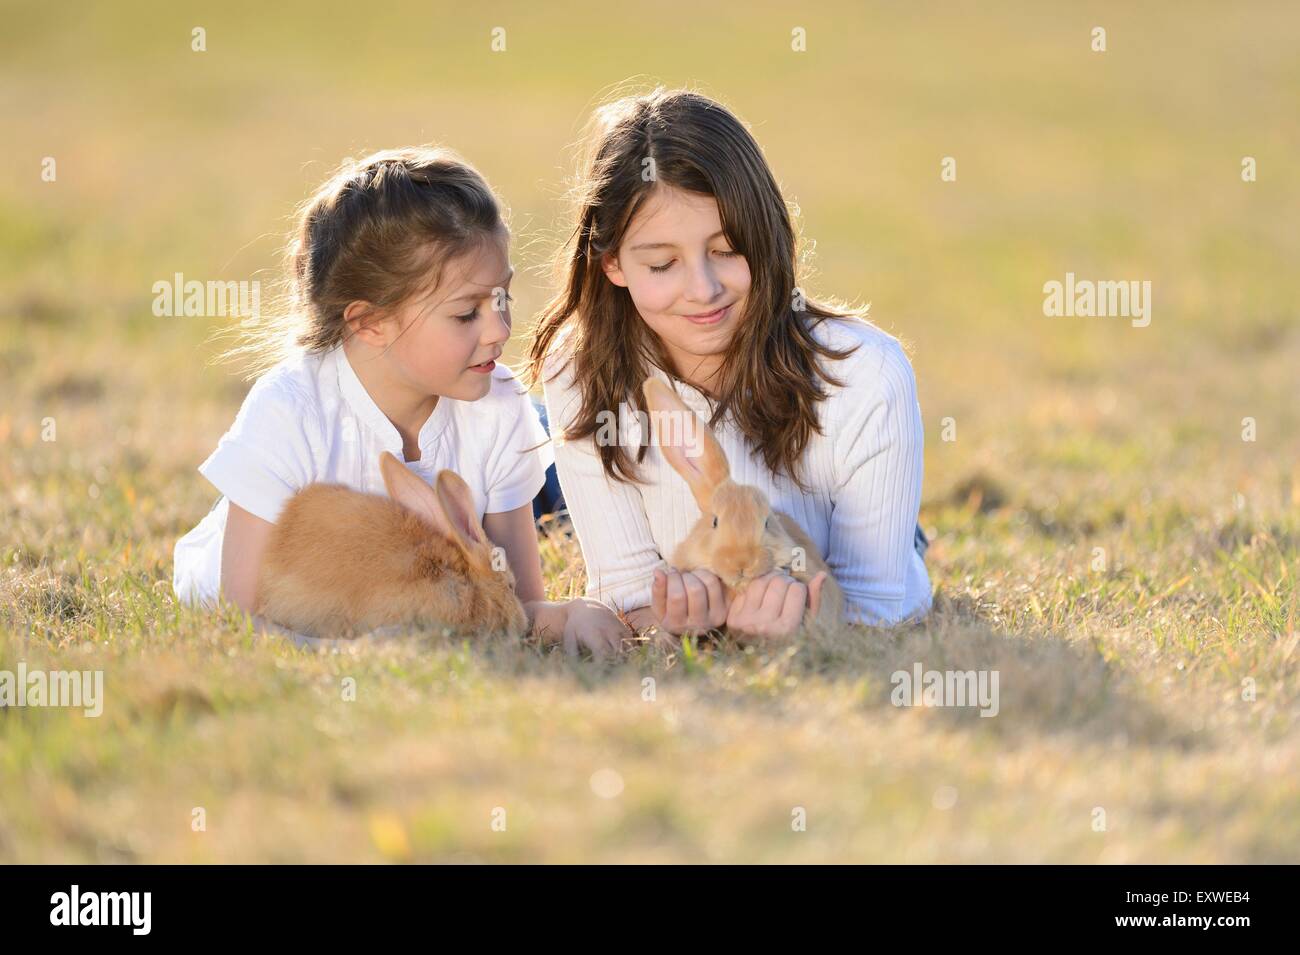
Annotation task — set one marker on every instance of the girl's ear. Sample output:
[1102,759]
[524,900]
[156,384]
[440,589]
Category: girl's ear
[364,322]
[609,263]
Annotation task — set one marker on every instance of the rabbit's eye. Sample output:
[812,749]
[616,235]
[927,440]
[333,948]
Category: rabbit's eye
[715,520]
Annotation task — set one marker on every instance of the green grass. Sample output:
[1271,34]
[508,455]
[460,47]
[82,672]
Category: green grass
[1121,682]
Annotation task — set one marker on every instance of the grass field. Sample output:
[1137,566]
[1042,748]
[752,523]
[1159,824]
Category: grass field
[1104,537]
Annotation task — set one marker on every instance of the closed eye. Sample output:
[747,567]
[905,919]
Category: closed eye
[725,253]
[474,314]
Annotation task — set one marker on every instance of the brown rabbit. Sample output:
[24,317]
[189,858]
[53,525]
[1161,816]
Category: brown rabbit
[738,536]
[341,563]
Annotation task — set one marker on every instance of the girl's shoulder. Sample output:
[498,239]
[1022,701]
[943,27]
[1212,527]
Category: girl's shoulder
[293,405]
[275,445]
[558,377]
[878,366]
[295,381]
[869,342]
[557,362]
[875,352]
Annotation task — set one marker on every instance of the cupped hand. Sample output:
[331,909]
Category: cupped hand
[688,600]
[772,606]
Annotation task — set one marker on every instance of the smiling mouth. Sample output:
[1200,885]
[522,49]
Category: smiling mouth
[709,318]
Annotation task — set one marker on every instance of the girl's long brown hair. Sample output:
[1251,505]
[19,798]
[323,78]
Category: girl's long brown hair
[768,383]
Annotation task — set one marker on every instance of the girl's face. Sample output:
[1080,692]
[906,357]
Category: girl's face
[447,340]
[687,283]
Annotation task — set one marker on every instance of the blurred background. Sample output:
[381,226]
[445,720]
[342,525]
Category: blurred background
[1065,434]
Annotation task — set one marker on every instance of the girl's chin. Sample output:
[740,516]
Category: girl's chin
[470,386]
[703,340]
[477,382]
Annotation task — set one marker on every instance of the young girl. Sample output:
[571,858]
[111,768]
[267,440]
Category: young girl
[400,271]
[682,267]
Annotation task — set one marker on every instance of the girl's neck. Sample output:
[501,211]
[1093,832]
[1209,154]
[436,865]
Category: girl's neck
[701,372]
[404,407]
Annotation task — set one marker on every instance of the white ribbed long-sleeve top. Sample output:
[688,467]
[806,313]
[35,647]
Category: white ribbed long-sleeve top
[864,475]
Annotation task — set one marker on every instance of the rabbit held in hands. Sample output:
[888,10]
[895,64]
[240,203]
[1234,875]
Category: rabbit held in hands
[340,562]
[738,536]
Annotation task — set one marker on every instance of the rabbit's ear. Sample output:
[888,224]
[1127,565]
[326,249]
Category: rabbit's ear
[410,491]
[458,503]
[686,441]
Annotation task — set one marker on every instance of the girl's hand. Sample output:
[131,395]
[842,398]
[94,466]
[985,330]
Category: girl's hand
[591,624]
[688,600]
[772,606]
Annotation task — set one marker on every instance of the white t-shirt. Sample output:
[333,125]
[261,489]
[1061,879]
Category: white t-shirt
[310,419]
[864,474]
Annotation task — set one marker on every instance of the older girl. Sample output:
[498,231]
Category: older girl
[681,266]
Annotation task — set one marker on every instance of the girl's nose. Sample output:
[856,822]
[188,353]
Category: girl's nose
[498,331]
[703,286]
